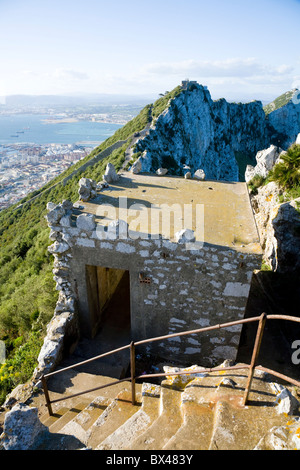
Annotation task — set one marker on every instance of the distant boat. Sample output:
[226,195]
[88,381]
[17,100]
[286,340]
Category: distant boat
[20,132]
[14,136]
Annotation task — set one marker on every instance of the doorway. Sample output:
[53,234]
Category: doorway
[108,292]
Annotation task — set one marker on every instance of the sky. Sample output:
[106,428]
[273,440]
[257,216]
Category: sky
[239,49]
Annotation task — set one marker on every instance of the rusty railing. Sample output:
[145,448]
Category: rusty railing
[133,377]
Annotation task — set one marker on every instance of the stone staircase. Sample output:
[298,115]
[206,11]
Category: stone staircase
[202,411]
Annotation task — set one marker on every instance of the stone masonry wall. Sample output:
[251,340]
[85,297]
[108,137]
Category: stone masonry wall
[187,289]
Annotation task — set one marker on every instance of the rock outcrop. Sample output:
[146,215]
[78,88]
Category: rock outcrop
[110,175]
[265,159]
[87,189]
[284,122]
[279,228]
[202,133]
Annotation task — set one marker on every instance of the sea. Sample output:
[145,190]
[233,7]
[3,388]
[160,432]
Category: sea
[34,129]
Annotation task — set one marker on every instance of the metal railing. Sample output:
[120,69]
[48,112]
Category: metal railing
[133,377]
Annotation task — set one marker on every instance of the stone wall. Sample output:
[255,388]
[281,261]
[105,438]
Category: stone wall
[185,289]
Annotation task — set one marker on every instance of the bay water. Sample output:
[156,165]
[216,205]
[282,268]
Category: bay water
[34,129]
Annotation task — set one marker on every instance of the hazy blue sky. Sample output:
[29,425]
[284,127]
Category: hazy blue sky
[235,47]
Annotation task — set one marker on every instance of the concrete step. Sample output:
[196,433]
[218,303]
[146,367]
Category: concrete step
[69,415]
[200,412]
[238,428]
[165,425]
[115,415]
[81,423]
[196,428]
[125,435]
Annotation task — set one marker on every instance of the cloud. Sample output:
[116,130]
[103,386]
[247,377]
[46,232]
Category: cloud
[223,68]
[73,74]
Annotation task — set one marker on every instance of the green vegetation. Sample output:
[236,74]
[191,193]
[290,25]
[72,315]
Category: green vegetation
[27,289]
[282,100]
[161,104]
[256,182]
[286,173]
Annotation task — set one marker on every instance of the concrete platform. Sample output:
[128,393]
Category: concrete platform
[222,208]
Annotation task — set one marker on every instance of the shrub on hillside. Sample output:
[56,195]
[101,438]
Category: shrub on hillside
[287,172]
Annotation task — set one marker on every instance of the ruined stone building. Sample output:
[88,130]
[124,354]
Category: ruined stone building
[170,254]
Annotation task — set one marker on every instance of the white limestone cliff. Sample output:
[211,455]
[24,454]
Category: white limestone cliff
[201,133]
[284,122]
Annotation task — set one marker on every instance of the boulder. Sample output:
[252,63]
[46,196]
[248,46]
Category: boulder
[22,428]
[55,214]
[86,222]
[87,189]
[287,403]
[188,175]
[162,171]
[110,175]
[199,175]
[102,185]
[136,167]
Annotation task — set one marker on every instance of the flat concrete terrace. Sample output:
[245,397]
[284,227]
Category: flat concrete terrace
[219,213]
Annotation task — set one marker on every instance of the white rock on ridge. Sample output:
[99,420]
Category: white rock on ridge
[266,159]
[162,171]
[298,140]
[110,175]
[199,175]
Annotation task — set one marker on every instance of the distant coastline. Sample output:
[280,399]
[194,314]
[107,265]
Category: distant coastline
[45,129]
[70,120]
[58,121]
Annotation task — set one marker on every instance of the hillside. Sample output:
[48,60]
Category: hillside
[27,289]
[279,102]
[177,122]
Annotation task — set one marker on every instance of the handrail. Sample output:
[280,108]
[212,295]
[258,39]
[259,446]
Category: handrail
[133,377]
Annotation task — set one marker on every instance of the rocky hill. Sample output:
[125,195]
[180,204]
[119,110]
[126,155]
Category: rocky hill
[196,131]
[184,128]
[219,137]
[283,118]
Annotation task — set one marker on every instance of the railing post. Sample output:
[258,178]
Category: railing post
[45,388]
[132,368]
[259,335]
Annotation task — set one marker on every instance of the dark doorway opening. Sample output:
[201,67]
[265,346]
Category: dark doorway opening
[108,292]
